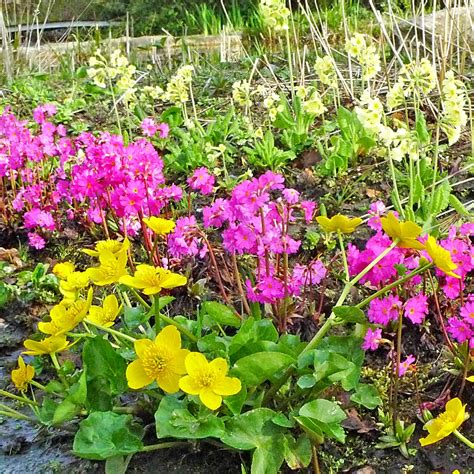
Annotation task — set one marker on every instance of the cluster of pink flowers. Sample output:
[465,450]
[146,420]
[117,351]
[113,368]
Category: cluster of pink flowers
[461,327]
[53,178]
[202,181]
[186,239]
[257,221]
[384,310]
[150,128]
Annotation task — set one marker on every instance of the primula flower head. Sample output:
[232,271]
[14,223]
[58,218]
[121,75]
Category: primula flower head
[416,308]
[159,225]
[161,360]
[372,339]
[405,365]
[405,232]
[49,345]
[446,423]
[339,223]
[152,280]
[208,380]
[106,314]
[441,257]
[22,376]
[202,181]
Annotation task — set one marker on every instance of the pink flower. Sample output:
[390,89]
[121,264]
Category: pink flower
[164,129]
[36,241]
[291,196]
[202,181]
[416,308]
[149,127]
[308,208]
[405,365]
[42,112]
[372,339]
[383,310]
[467,312]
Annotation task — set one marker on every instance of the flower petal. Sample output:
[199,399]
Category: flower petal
[177,364]
[169,336]
[189,385]
[168,381]
[195,362]
[209,398]
[136,375]
[220,366]
[141,346]
[227,386]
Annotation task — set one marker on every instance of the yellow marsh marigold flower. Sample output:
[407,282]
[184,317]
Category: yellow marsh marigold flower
[406,232]
[152,280]
[446,423]
[339,223]
[50,345]
[159,225]
[109,245]
[441,257]
[106,314]
[66,315]
[161,360]
[74,282]
[22,376]
[62,270]
[208,380]
[111,268]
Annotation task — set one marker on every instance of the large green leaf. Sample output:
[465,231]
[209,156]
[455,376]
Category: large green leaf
[218,314]
[350,314]
[253,331]
[73,403]
[105,373]
[255,429]
[173,419]
[367,395]
[256,368]
[106,434]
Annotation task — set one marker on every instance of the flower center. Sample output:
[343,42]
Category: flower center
[154,362]
[206,379]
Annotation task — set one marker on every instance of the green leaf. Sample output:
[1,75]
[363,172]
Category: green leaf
[173,419]
[4,294]
[421,129]
[456,204]
[253,331]
[298,453]
[106,434]
[218,314]
[236,402]
[306,381]
[256,368]
[367,395]
[134,316]
[255,429]
[117,464]
[323,410]
[105,373]
[350,314]
[73,403]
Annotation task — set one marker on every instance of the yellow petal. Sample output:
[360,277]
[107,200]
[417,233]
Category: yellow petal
[470,379]
[169,336]
[195,363]
[325,223]
[210,399]
[129,281]
[141,346]
[168,381]
[136,376]
[189,385]
[177,364]
[220,366]
[152,290]
[227,386]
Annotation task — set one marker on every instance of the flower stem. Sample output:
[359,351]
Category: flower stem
[171,321]
[110,330]
[16,397]
[344,257]
[462,438]
[171,444]
[397,372]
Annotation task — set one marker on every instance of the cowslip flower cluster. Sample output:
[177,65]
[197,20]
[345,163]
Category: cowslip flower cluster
[165,362]
[177,89]
[326,71]
[365,53]
[256,224]
[275,14]
[454,116]
[415,79]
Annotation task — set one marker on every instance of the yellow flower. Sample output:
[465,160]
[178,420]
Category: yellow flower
[50,345]
[109,245]
[161,360]
[105,315]
[111,268]
[153,279]
[74,282]
[446,423]
[62,270]
[339,223]
[441,257]
[406,232]
[66,315]
[470,379]
[208,380]
[22,376]
[159,225]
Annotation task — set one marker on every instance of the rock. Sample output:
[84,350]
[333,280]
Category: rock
[453,29]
